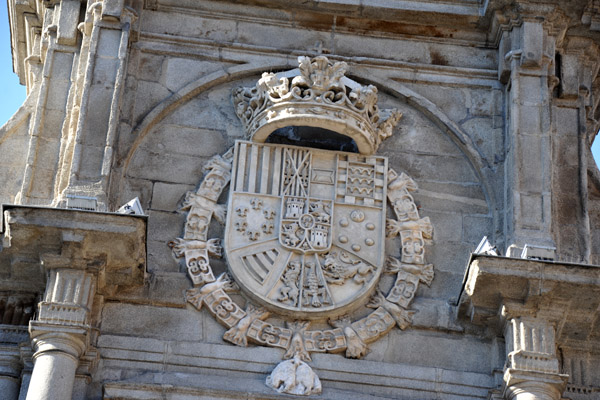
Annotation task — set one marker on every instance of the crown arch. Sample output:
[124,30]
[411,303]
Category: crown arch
[308,136]
[319,95]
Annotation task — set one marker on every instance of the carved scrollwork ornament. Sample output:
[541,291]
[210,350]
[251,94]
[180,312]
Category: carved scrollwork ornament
[304,237]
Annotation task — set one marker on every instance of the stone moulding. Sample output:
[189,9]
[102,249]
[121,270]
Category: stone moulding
[318,95]
[544,310]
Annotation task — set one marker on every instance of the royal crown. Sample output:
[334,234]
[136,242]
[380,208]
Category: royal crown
[319,95]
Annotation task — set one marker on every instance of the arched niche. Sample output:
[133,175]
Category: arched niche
[309,136]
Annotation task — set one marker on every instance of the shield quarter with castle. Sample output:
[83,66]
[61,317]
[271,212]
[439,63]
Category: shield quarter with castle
[302,227]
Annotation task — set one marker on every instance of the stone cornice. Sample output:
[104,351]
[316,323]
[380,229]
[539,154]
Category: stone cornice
[383,9]
[110,246]
[552,14]
[496,284]
[454,21]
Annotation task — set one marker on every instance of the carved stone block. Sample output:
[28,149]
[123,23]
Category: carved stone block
[267,334]
[223,308]
[404,289]
[373,326]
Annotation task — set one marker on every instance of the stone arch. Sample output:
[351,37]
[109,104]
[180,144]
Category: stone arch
[463,141]
[189,91]
[428,108]
[429,147]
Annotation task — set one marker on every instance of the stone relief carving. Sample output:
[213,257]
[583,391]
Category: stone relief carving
[294,376]
[253,219]
[202,206]
[290,291]
[355,347]
[340,267]
[237,334]
[304,235]
[319,94]
[307,265]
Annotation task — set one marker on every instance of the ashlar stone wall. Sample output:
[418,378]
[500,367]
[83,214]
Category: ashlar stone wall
[131,99]
[181,111]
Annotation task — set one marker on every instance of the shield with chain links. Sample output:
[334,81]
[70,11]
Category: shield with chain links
[305,227]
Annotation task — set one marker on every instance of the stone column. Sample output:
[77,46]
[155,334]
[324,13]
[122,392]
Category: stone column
[27,360]
[51,63]
[575,126]
[106,34]
[10,371]
[11,338]
[532,368]
[57,352]
[60,335]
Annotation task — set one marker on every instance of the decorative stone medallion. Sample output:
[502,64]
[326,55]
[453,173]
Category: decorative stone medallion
[306,227]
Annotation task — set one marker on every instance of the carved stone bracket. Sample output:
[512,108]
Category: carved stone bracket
[85,256]
[538,307]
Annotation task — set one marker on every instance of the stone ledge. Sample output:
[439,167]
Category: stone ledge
[111,245]
[166,363]
[572,291]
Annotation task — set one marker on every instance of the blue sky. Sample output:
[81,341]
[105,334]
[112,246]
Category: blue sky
[13,94]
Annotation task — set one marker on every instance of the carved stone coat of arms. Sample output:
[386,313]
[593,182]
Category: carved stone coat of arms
[305,227]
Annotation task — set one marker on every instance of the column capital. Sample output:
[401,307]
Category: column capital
[64,315]
[537,385]
[69,340]
[532,368]
[531,345]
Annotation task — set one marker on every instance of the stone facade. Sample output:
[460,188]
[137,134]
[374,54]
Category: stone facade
[463,118]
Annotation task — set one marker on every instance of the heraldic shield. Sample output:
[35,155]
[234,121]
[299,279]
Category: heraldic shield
[305,227]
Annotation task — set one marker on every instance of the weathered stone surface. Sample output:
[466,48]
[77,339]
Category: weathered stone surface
[134,99]
[178,139]
[148,95]
[150,67]
[140,320]
[180,71]
[167,196]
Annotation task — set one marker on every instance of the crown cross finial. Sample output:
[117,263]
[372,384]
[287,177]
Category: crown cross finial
[319,95]
[320,49]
